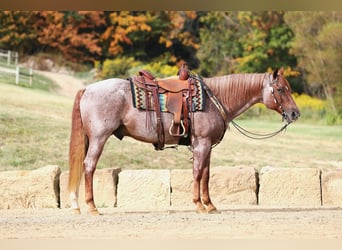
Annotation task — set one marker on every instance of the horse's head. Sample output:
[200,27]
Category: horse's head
[277,96]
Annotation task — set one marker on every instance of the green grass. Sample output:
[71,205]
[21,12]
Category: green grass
[35,129]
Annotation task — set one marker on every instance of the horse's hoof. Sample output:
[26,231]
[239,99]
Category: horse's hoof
[201,211]
[213,211]
[76,211]
[94,211]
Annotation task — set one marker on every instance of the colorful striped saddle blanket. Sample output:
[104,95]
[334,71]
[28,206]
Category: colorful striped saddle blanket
[143,97]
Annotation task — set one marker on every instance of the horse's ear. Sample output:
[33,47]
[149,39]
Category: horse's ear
[275,74]
[281,71]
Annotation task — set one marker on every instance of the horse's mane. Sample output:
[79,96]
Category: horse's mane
[236,88]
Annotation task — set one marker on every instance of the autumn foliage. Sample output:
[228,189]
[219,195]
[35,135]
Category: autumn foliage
[86,36]
[306,44]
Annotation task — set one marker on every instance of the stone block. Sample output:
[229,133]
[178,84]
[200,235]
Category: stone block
[233,186]
[30,189]
[290,187]
[144,189]
[332,187]
[181,188]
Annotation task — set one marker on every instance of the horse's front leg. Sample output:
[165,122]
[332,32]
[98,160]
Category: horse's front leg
[205,186]
[201,151]
[197,173]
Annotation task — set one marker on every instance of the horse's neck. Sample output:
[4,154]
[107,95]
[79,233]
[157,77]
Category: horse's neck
[237,92]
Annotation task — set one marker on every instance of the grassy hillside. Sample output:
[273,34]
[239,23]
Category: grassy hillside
[35,128]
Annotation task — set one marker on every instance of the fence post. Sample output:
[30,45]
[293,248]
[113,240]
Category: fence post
[17,75]
[16,58]
[9,57]
[30,76]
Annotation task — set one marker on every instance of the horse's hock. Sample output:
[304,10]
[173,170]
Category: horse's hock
[162,189]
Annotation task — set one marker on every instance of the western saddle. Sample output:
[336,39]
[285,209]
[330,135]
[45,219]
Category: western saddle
[178,91]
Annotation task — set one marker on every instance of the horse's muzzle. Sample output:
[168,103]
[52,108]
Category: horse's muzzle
[295,115]
[291,116]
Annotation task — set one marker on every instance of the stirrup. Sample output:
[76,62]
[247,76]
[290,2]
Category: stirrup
[183,128]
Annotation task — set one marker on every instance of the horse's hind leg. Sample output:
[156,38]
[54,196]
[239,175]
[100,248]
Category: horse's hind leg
[91,159]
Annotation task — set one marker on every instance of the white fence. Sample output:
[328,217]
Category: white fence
[12,57]
[17,73]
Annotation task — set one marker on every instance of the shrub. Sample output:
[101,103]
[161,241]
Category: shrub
[118,67]
[158,69]
[333,119]
[311,108]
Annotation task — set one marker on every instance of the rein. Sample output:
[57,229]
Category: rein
[256,136]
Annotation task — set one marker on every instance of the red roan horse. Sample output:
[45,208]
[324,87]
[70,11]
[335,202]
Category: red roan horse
[105,108]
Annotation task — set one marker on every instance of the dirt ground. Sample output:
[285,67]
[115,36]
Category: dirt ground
[235,223]
[68,84]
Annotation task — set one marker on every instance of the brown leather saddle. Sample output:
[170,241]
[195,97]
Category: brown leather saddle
[178,95]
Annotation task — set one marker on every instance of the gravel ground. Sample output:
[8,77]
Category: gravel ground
[235,223]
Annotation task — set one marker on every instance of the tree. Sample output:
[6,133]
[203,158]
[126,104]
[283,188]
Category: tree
[17,31]
[74,34]
[233,42]
[318,45]
[120,30]
[147,35]
[181,36]
[219,34]
[266,44]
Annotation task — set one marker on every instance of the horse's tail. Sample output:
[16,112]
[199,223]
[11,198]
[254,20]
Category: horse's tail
[78,146]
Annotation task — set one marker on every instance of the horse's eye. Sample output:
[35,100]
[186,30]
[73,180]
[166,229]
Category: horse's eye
[280,90]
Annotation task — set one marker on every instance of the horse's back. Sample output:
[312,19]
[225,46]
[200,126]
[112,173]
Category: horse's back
[108,85]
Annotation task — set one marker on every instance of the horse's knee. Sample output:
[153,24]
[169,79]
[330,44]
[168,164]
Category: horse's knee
[197,174]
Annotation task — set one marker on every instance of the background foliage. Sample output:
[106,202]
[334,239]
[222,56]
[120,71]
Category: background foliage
[119,43]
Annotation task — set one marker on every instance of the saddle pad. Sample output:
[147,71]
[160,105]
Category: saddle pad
[142,99]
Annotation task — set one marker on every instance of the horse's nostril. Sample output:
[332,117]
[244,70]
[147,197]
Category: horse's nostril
[295,115]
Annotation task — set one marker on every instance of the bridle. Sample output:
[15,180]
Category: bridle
[257,136]
[283,113]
